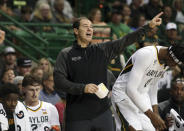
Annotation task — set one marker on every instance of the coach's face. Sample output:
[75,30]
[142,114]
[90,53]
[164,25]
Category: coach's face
[85,31]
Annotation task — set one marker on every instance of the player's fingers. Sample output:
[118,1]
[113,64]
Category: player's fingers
[164,126]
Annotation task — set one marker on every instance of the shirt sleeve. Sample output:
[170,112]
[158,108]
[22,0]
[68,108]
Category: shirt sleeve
[62,84]
[54,116]
[141,61]
[115,47]
[153,94]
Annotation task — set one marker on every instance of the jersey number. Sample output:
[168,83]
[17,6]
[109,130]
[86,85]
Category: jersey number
[34,127]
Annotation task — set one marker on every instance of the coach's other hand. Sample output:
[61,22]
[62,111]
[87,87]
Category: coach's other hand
[157,122]
[156,21]
[90,88]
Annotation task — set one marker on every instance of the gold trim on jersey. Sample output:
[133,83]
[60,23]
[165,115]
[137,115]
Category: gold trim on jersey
[41,103]
[122,119]
[114,69]
[157,56]
[127,67]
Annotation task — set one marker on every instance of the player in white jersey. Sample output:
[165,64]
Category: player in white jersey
[43,116]
[135,92]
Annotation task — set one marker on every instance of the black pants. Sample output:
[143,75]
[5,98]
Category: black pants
[103,122]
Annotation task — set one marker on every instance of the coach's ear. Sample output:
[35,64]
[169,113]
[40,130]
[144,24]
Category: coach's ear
[75,30]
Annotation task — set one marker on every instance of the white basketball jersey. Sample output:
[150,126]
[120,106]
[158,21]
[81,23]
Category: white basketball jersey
[43,116]
[141,73]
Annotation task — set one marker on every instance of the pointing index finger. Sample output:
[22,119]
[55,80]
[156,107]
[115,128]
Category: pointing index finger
[157,16]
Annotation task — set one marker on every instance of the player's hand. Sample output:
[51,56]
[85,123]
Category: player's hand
[90,88]
[156,21]
[157,122]
[169,121]
[2,36]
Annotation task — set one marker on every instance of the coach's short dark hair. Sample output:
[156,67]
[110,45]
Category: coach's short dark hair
[76,23]
[30,80]
[7,89]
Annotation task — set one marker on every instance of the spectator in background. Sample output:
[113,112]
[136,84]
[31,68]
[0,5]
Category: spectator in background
[24,66]
[175,102]
[164,83]
[137,21]
[42,115]
[46,66]
[13,116]
[43,13]
[9,60]
[37,71]
[95,16]
[117,4]
[10,57]
[118,27]
[6,7]
[7,76]
[135,7]
[168,15]
[178,11]
[31,3]
[126,14]
[48,93]
[59,16]
[46,1]
[172,36]
[18,81]
[25,15]
[68,11]
[151,9]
